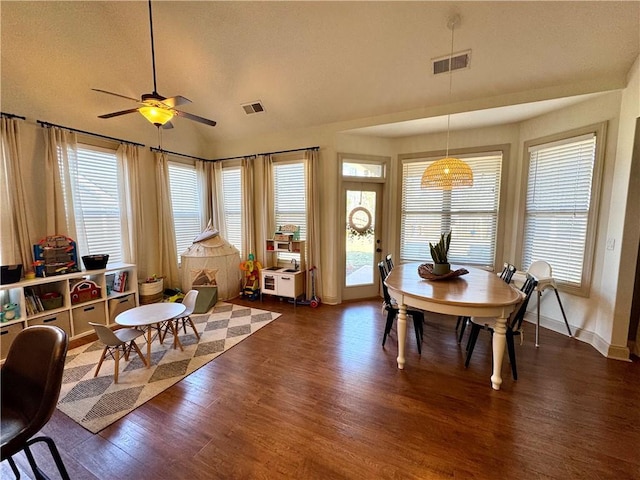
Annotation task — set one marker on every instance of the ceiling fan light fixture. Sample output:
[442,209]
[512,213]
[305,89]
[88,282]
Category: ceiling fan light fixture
[156,115]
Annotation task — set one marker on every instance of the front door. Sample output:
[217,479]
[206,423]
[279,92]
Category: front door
[362,213]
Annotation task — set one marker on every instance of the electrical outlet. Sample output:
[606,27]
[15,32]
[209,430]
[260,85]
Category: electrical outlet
[611,243]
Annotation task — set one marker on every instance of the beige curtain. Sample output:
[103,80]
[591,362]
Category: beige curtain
[16,239]
[313,218]
[131,218]
[210,188]
[166,236]
[60,162]
[268,223]
[248,199]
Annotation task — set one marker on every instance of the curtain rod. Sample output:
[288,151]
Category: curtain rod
[265,153]
[232,158]
[155,149]
[47,124]
[11,115]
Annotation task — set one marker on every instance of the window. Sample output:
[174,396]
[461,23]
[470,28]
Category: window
[97,202]
[290,199]
[232,204]
[185,202]
[560,212]
[470,213]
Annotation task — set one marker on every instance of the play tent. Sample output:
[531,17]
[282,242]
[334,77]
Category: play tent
[211,260]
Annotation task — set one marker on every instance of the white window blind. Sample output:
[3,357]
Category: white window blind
[471,213]
[186,204]
[290,199]
[232,204]
[558,204]
[97,199]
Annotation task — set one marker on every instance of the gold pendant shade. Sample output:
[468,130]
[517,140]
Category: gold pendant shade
[447,173]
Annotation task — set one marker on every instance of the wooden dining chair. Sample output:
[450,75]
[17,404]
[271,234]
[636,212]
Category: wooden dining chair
[514,326]
[507,273]
[392,310]
[120,341]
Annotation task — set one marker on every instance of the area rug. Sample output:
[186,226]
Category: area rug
[96,402]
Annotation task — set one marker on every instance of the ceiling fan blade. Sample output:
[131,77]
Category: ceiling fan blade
[167,125]
[173,102]
[115,94]
[195,118]
[117,114]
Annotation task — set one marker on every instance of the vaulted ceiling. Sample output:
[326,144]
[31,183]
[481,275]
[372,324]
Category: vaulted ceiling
[309,63]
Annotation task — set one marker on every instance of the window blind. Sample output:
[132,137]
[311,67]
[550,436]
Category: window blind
[558,204]
[290,199]
[232,204]
[185,203]
[97,199]
[470,213]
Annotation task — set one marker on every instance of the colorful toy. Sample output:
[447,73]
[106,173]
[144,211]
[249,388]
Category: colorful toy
[251,287]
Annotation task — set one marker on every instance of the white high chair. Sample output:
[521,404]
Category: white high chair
[542,271]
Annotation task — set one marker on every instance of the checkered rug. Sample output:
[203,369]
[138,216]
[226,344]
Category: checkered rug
[96,402]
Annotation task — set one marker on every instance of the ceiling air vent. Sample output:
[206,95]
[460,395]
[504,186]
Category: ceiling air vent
[253,107]
[458,62]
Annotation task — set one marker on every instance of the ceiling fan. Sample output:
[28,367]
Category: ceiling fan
[154,107]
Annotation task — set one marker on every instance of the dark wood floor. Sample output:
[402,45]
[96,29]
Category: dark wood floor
[313,395]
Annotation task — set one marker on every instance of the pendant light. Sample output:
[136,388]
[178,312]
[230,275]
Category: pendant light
[448,172]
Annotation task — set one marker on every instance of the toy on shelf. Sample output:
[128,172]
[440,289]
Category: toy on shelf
[251,286]
[55,255]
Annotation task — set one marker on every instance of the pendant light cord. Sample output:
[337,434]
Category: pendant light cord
[452,24]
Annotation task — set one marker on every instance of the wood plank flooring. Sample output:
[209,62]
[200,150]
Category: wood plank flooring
[313,395]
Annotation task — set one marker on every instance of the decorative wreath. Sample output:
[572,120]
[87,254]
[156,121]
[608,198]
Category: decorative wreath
[359,224]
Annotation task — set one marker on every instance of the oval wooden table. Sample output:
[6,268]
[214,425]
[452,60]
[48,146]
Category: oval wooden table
[146,316]
[476,294]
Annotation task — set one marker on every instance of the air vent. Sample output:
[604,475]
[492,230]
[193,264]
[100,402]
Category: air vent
[458,62]
[253,107]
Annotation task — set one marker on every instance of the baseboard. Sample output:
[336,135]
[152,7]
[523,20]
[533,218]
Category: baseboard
[615,352]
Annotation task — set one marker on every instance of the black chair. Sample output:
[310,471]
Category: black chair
[389,261]
[507,274]
[30,380]
[514,326]
[392,312]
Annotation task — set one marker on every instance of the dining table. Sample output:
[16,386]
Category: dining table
[478,293]
[150,316]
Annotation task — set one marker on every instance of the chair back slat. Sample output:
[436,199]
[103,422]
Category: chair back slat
[527,288]
[383,277]
[389,261]
[507,272]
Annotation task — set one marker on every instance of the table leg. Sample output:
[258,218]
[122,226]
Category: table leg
[402,333]
[498,343]
[176,340]
[149,327]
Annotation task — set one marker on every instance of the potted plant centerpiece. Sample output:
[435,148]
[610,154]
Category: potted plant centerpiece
[439,253]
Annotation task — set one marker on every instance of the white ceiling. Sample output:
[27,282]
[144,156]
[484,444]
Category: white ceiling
[310,63]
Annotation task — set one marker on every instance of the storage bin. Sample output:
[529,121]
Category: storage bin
[7,334]
[151,288]
[60,319]
[119,305]
[83,315]
[10,273]
[95,262]
[51,300]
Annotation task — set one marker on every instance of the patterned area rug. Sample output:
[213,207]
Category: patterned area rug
[96,402]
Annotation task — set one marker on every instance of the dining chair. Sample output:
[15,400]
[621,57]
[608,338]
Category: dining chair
[389,261]
[189,301]
[507,274]
[392,310]
[514,326]
[122,340]
[30,379]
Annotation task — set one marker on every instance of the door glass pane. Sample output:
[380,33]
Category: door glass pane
[360,237]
